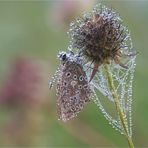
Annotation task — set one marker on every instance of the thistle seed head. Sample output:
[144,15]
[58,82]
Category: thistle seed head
[99,35]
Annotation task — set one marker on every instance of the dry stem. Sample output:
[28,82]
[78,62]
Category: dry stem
[118,107]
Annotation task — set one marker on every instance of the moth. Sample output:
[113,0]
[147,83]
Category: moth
[73,90]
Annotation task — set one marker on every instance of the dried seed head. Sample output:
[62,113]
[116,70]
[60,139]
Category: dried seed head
[99,36]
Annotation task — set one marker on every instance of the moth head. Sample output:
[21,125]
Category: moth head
[64,56]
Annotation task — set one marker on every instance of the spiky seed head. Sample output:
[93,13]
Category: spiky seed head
[99,35]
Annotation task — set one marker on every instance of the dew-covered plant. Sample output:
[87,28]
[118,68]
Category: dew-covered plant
[105,45]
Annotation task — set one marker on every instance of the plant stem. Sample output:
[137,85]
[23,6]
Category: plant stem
[118,107]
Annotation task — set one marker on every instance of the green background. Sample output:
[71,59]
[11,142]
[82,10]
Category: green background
[27,28]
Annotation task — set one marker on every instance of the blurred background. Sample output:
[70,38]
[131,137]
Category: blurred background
[31,35]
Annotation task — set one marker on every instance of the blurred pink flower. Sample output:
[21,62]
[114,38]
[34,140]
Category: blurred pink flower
[25,83]
[26,92]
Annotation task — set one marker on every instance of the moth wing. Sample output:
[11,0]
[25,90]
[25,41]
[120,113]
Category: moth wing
[73,90]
